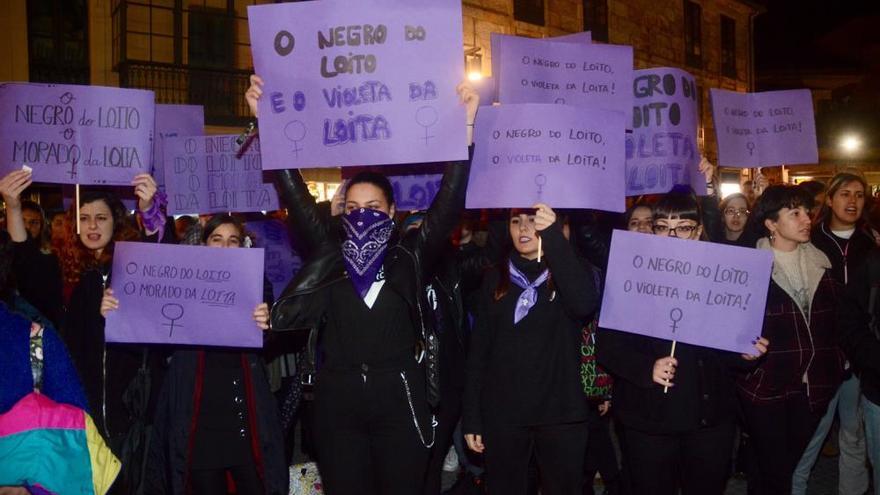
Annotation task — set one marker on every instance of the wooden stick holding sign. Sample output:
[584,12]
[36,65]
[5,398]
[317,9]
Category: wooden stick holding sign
[76,205]
[672,355]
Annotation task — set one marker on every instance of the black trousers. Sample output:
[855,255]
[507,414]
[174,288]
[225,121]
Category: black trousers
[448,415]
[697,462]
[601,455]
[558,449]
[213,481]
[780,432]
[365,437]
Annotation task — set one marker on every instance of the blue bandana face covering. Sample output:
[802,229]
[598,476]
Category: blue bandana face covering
[367,234]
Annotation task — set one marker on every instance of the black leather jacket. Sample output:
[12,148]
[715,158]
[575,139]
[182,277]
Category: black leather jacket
[408,266]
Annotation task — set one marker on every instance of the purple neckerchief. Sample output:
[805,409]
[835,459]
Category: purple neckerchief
[154,218]
[367,234]
[529,295]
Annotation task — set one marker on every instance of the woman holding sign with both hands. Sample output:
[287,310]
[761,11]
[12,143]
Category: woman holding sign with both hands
[361,292]
[678,412]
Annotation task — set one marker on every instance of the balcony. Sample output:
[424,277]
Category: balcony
[220,91]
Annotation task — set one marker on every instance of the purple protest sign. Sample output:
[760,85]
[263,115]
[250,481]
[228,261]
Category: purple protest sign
[496,45]
[174,121]
[541,71]
[76,134]
[415,192]
[205,174]
[662,149]
[485,87]
[567,157]
[695,292]
[177,294]
[359,83]
[282,262]
[764,129]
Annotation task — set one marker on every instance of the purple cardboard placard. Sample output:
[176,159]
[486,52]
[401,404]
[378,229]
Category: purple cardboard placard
[764,129]
[204,174]
[415,192]
[567,157]
[359,83]
[174,121]
[486,89]
[72,134]
[588,75]
[695,292]
[193,295]
[496,45]
[662,150]
[282,262]
[125,194]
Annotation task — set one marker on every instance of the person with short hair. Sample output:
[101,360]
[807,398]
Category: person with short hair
[786,395]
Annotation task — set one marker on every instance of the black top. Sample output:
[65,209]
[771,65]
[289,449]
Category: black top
[858,319]
[357,335]
[846,255]
[528,373]
[703,394]
[38,277]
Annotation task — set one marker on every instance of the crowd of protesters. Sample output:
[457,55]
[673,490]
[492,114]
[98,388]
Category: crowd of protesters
[418,344]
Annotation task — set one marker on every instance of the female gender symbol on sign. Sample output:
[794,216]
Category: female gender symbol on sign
[426,117]
[173,312]
[675,316]
[295,131]
[540,180]
[751,146]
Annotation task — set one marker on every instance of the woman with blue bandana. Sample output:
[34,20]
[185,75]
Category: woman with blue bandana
[360,295]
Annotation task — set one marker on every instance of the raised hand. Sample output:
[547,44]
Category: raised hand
[144,188]
[544,216]
[664,371]
[253,93]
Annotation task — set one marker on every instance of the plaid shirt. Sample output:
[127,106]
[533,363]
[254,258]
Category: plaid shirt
[798,349]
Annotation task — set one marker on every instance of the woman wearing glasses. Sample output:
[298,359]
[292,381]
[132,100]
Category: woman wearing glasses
[735,211]
[677,439]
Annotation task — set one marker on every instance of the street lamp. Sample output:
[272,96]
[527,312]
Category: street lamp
[850,144]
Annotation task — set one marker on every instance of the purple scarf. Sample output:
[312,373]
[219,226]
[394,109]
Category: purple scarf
[529,295]
[367,232]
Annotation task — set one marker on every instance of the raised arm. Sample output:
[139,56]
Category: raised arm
[443,215]
[11,188]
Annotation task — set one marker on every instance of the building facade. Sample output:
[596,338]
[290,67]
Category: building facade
[198,51]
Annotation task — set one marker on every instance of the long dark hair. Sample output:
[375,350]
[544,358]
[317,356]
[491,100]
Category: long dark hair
[503,286]
[220,219]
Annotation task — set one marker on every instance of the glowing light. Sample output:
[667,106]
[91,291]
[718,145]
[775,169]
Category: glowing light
[728,188]
[475,76]
[851,144]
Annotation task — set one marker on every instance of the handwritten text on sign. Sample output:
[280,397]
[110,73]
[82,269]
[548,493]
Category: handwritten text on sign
[76,134]
[204,174]
[567,157]
[764,129]
[700,293]
[282,262]
[539,71]
[498,40]
[173,121]
[176,294]
[359,83]
[415,192]
[662,149]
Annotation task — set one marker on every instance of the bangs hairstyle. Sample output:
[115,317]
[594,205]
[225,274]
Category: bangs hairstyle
[376,179]
[218,220]
[681,203]
[774,199]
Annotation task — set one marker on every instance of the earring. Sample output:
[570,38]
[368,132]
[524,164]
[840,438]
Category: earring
[772,237]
